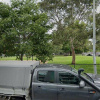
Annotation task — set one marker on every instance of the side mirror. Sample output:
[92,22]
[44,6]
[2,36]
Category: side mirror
[82,84]
[80,71]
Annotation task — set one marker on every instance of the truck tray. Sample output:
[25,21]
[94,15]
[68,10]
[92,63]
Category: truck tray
[16,74]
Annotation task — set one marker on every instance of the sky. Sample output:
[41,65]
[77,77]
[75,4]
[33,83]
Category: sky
[6,1]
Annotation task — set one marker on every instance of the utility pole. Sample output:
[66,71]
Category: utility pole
[94,39]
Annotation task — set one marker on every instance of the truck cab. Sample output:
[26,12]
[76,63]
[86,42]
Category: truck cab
[62,82]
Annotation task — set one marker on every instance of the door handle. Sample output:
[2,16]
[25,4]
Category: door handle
[61,89]
[92,91]
[39,86]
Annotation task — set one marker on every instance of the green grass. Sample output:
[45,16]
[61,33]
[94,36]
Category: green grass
[67,60]
[8,58]
[79,60]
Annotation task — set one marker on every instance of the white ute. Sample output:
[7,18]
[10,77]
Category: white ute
[15,78]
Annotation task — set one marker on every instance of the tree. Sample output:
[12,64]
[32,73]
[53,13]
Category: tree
[90,22]
[66,47]
[42,47]
[57,49]
[98,31]
[24,23]
[64,14]
[77,35]
[4,27]
[22,16]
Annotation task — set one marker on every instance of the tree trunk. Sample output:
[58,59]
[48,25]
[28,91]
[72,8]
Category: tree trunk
[21,57]
[73,55]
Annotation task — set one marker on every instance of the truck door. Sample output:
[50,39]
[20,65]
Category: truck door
[68,87]
[44,86]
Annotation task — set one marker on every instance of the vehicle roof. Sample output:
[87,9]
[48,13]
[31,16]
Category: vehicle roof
[55,66]
[18,63]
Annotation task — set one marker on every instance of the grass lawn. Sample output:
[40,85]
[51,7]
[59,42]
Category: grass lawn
[67,60]
[79,60]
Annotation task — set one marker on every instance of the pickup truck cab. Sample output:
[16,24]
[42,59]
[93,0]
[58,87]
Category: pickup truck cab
[61,82]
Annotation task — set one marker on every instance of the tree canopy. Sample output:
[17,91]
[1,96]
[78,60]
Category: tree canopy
[24,26]
[64,15]
[21,24]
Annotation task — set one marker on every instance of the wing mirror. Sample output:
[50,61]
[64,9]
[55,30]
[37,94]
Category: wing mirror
[80,71]
[82,84]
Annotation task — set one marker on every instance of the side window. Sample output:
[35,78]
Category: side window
[68,78]
[45,76]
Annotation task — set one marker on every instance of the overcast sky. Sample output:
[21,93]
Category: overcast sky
[6,1]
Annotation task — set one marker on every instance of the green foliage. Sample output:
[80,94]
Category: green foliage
[65,13]
[75,35]
[4,25]
[42,47]
[98,31]
[90,24]
[4,10]
[44,52]
[66,47]
[57,49]
[22,28]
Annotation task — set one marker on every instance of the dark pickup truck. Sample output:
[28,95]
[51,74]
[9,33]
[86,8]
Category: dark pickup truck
[46,82]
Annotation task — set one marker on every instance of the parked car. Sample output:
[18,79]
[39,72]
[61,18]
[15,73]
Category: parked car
[31,81]
[89,54]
